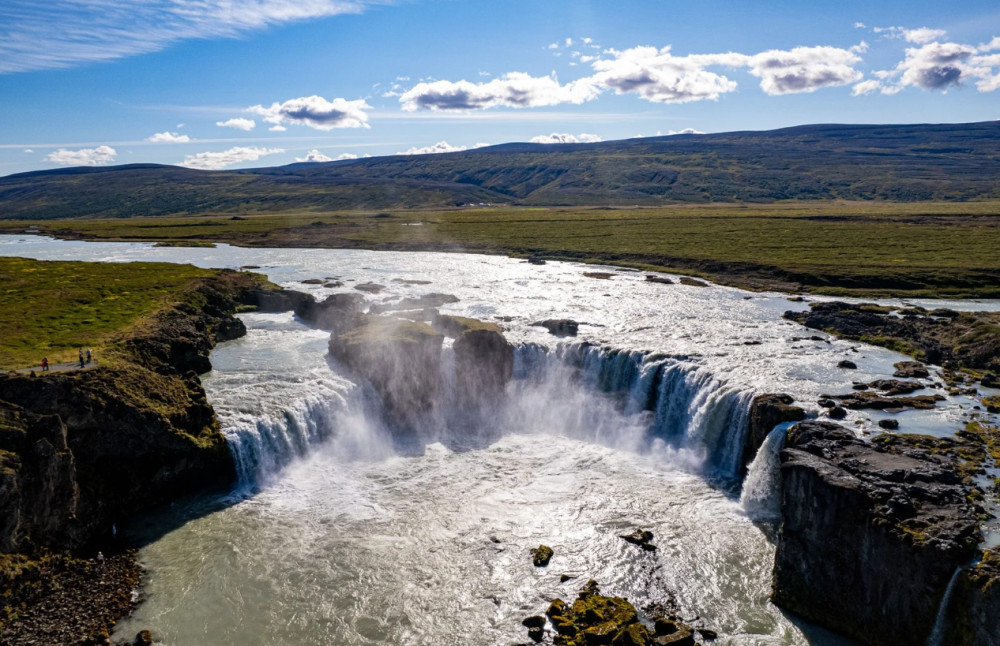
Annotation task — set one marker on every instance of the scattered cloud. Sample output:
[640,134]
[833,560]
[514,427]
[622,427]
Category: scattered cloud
[239,123]
[804,69]
[685,131]
[565,138]
[63,33]
[316,112]
[345,156]
[277,129]
[866,87]
[218,160]
[991,46]
[936,66]
[83,157]
[659,76]
[439,147]
[515,90]
[919,36]
[314,156]
[28,150]
[169,138]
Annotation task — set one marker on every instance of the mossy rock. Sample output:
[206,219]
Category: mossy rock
[992,404]
[541,555]
[456,326]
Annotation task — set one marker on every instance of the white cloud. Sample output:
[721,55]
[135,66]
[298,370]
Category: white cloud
[63,33]
[217,160]
[919,36]
[345,156]
[993,45]
[314,156]
[866,87]
[936,66]
[316,112]
[439,147]
[239,123]
[659,76]
[516,90]
[83,157]
[804,69]
[565,138]
[29,150]
[169,138]
[685,131]
[277,129]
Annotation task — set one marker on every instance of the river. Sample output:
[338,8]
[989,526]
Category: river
[341,533]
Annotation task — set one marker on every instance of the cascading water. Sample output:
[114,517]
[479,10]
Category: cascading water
[673,402]
[761,495]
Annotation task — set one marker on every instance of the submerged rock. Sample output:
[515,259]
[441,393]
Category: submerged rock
[871,533]
[893,387]
[692,282]
[641,537]
[600,275]
[847,365]
[370,288]
[663,280]
[541,555]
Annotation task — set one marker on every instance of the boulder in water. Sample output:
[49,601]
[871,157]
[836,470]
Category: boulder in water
[847,364]
[370,288]
[541,555]
[692,282]
[341,311]
[662,280]
[559,327]
[910,369]
[641,537]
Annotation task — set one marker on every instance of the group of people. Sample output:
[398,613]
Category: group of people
[84,359]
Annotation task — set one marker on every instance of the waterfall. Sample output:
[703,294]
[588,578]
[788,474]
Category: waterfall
[677,402]
[761,496]
[937,634]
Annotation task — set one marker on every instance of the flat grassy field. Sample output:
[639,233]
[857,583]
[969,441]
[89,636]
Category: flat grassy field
[50,309]
[947,249]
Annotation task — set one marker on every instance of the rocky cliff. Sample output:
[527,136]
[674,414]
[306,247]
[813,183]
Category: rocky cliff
[974,609]
[871,534]
[81,451]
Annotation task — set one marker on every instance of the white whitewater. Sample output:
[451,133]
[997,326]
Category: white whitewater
[937,635]
[761,495]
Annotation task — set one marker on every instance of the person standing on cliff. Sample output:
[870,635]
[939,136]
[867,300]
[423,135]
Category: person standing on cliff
[45,364]
[82,364]
[89,355]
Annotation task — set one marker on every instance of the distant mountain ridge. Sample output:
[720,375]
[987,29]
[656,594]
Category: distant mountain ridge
[848,162]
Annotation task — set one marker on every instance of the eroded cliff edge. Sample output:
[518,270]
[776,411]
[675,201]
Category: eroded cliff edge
[82,451]
[872,533]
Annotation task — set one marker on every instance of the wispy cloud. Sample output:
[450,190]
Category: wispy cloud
[83,157]
[439,147]
[64,33]
[515,90]
[225,158]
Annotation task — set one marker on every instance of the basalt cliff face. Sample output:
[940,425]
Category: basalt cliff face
[81,451]
[871,533]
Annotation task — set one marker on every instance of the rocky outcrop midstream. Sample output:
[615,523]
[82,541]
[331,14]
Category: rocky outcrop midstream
[766,412]
[871,533]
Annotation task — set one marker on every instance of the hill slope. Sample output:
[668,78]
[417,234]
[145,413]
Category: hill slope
[903,163]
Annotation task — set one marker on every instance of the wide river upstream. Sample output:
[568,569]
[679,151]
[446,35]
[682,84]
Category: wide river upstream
[341,533]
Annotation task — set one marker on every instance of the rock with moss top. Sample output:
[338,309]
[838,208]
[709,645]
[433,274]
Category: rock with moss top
[992,404]
[859,517]
[766,412]
[973,616]
[559,327]
[484,361]
[541,555]
[910,369]
[401,359]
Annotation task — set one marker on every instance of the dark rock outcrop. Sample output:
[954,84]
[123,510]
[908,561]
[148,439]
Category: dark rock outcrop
[484,361]
[847,364]
[434,299]
[766,412]
[401,359]
[280,300]
[341,311]
[946,338]
[876,401]
[541,555]
[662,280]
[858,520]
[559,327]
[692,282]
[911,370]
[894,387]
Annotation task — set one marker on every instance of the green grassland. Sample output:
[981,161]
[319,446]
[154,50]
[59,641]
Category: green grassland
[943,249]
[53,308]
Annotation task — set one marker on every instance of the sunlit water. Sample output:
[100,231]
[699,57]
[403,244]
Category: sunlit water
[340,534]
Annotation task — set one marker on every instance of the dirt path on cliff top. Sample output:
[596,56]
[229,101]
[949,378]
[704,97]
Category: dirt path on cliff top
[73,366]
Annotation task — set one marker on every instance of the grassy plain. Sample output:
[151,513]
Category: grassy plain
[943,249]
[50,309]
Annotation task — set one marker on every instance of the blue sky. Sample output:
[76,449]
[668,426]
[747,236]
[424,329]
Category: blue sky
[246,83]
